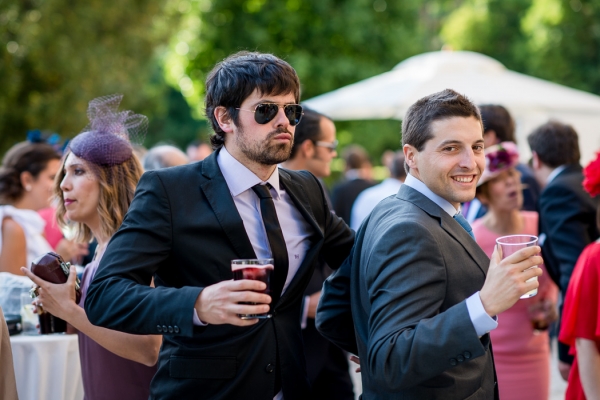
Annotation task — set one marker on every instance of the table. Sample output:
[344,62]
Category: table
[47,367]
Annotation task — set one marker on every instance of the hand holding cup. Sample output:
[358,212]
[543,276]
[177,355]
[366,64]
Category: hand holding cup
[510,277]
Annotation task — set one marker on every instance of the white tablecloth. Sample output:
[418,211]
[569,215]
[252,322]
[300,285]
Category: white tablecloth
[47,367]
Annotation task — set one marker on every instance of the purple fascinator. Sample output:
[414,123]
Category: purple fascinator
[106,141]
[499,158]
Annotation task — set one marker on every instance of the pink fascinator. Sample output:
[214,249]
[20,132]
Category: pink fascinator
[499,158]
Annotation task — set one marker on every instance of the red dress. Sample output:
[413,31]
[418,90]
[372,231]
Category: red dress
[580,318]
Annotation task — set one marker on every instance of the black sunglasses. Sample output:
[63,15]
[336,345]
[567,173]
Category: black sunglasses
[265,112]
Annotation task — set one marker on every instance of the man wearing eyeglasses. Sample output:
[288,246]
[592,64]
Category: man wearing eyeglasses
[326,364]
[185,226]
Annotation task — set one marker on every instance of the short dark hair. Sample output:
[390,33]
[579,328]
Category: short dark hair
[397,165]
[497,118]
[416,126]
[23,157]
[555,144]
[232,80]
[309,128]
[356,157]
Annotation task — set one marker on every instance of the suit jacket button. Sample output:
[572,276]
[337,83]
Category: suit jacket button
[270,368]
[170,329]
[176,329]
[165,329]
[460,358]
[159,328]
[453,361]
[467,355]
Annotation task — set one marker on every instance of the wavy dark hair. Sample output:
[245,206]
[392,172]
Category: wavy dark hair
[235,78]
[23,157]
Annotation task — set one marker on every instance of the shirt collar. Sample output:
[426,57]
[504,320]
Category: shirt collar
[420,187]
[239,178]
[554,173]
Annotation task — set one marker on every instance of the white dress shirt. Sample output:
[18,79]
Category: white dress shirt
[368,199]
[482,322]
[294,227]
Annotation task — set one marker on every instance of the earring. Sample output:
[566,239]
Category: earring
[28,188]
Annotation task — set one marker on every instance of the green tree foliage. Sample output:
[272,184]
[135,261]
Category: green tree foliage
[330,43]
[557,40]
[56,55]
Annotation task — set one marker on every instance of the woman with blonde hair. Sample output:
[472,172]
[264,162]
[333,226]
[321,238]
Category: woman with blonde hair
[94,187]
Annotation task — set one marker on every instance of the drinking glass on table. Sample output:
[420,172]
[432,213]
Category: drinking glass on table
[257,270]
[511,244]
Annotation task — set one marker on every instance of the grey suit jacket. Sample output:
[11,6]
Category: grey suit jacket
[406,282]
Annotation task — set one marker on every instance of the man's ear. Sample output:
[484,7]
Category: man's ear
[223,119]
[411,156]
[307,148]
[535,161]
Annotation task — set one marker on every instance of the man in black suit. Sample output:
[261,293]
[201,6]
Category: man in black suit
[358,177]
[187,223]
[567,212]
[326,364]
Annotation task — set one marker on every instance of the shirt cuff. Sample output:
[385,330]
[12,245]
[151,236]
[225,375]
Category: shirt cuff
[197,321]
[482,322]
[305,312]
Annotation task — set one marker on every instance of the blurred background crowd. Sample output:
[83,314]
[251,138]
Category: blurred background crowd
[55,56]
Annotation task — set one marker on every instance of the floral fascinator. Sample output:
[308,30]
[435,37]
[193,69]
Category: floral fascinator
[499,158]
[591,177]
[106,141]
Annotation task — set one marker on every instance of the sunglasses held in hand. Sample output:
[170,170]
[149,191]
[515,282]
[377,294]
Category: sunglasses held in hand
[265,112]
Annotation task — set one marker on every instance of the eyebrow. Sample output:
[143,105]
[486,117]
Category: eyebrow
[450,141]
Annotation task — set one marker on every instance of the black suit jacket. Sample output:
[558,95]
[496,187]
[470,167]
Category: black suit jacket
[183,229]
[568,221]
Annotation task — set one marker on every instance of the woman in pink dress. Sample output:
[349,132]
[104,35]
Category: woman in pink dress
[580,327]
[521,343]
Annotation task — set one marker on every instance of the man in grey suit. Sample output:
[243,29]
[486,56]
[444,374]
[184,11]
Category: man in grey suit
[421,293]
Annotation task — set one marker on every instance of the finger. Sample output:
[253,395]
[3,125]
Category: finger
[251,297]
[72,275]
[247,309]
[237,321]
[246,284]
[523,254]
[497,254]
[38,281]
[529,263]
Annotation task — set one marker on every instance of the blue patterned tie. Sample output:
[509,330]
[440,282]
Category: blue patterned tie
[465,224]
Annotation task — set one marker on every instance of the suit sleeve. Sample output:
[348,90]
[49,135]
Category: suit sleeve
[409,340]
[119,296]
[334,313]
[567,233]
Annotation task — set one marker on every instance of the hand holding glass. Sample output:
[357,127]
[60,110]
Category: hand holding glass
[509,245]
[257,270]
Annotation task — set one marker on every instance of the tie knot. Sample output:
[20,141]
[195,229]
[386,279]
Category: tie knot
[464,223]
[263,191]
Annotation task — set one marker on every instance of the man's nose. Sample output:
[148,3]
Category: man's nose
[281,119]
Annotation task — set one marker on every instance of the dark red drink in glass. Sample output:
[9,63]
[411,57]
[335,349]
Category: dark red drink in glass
[256,270]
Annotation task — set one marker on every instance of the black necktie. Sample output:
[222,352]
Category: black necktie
[276,241]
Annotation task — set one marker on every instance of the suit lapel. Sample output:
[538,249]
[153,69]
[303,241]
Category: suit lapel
[217,193]
[447,223]
[296,193]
